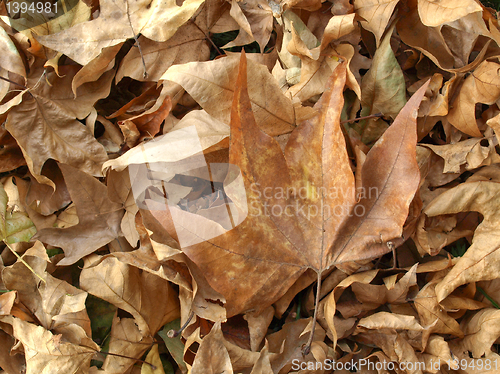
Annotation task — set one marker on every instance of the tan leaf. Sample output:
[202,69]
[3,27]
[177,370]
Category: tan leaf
[384,320]
[211,84]
[188,44]
[212,356]
[481,259]
[481,331]
[48,114]
[45,352]
[471,153]
[153,358]
[255,19]
[435,13]
[129,289]
[11,60]
[99,218]
[432,316]
[376,14]
[118,22]
[482,86]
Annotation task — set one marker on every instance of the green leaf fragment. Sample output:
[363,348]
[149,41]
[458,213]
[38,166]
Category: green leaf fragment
[174,345]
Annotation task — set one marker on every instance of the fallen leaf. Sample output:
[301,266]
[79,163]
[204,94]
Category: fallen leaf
[376,15]
[212,355]
[211,84]
[39,137]
[482,86]
[99,218]
[117,23]
[434,13]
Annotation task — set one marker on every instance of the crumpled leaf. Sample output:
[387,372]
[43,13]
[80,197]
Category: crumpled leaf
[383,87]
[99,218]
[153,358]
[49,114]
[129,289]
[211,84]
[480,331]
[376,14]
[482,86]
[14,226]
[212,355]
[46,352]
[117,22]
[481,259]
[435,13]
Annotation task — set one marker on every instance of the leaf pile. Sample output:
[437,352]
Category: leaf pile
[364,136]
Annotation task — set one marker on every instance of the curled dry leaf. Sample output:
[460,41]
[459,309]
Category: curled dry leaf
[99,218]
[481,260]
[211,84]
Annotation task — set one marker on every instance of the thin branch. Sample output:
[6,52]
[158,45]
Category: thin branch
[307,348]
[130,358]
[24,262]
[17,84]
[362,118]
[145,74]
[175,333]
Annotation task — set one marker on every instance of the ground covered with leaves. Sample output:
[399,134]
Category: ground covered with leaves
[210,186]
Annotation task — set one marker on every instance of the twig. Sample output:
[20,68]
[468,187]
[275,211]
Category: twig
[210,40]
[145,74]
[175,333]
[17,84]
[362,118]
[307,348]
[130,358]
[24,262]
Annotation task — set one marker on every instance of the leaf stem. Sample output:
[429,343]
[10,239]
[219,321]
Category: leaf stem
[24,262]
[493,302]
[130,358]
[307,348]
[175,333]
[362,118]
[17,84]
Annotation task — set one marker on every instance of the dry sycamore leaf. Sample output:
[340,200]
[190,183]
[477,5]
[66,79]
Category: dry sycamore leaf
[58,306]
[471,153]
[48,114]
[321,231]
[117,22]
[188,44]
[255,19]
[481,331]
[383,87]
[153,358]
[129,288]
[11,60]
[384,320]
[480,262]
[212,356]
[11,156]
[211,84]
[482,86]
[376,15]
[99,218]
[46,352]
[435,13]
